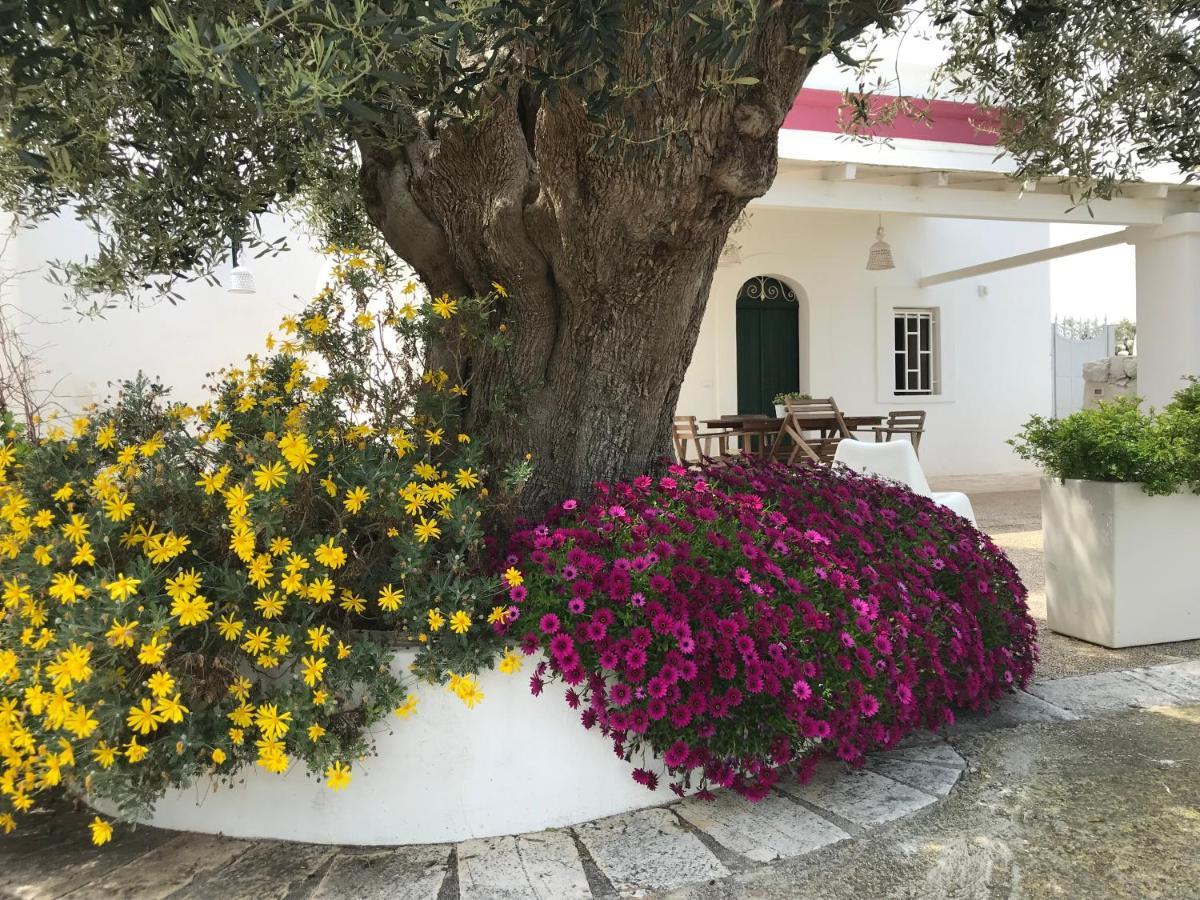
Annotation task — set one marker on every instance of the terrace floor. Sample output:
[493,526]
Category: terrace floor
[1086,786]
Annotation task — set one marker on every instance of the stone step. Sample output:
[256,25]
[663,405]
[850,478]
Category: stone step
[775,828]
[545,866]
[407,873]
[860,796]
[648,850]
[1102,692]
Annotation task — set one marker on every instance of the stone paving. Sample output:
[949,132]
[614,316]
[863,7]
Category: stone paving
[682,844]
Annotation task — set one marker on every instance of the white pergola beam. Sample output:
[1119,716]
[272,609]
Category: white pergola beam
[1026,259]
[952,202]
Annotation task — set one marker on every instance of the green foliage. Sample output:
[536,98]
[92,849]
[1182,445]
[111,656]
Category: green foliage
[1118,441]
[1096,91]
[171,128]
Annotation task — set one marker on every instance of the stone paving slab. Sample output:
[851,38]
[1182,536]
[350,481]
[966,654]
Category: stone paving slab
[167,868]
[861,796]
[775,828]
[1010,711]
[407,873]
[930,778]
[267,871]
[70,863]
[648,850]
[941,754]
[1181,679]
[1102,692]
[545,866]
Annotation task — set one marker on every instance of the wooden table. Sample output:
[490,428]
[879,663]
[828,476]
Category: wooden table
[745,422]
[758,427]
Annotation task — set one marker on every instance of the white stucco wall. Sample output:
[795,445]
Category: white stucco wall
[179,343]
[999,341]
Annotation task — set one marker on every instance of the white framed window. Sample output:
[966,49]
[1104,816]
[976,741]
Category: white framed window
[916,341]
[934,371]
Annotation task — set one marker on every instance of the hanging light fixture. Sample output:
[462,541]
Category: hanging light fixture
[241,279]
[880,256]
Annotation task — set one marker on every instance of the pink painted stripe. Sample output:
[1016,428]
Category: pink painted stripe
[949,121]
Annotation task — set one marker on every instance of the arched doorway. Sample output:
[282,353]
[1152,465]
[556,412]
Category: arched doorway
[768,343]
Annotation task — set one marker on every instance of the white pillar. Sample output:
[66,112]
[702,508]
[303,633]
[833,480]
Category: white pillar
[1168,306]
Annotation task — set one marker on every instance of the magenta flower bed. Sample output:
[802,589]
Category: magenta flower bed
[742,621]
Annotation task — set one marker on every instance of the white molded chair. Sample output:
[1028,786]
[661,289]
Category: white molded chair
[897,461]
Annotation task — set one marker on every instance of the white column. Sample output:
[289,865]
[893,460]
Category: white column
[1168,306]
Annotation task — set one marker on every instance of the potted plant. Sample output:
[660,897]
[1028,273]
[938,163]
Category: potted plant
[782,399]
[1121,519]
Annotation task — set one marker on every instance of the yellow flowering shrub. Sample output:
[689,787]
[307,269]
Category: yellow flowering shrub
[188,590]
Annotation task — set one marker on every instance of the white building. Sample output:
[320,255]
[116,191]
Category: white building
[979,364]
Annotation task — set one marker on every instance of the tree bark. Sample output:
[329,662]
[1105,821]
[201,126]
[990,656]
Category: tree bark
[607,257]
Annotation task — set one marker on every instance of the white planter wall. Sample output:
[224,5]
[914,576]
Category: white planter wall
[512,764]
[1121,566]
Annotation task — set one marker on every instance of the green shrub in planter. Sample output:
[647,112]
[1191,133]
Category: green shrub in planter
[1119,441]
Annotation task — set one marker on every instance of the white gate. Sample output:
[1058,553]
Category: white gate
[1073,343]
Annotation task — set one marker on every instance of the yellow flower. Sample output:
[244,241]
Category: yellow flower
[465,478]
[191,611]
[510,664]
[499,289]
[468,691]
[270,476]
[160,683]
[435,435]
[318,638]
[320,590]
[513,576]
[390,598]
[102,831]
[279,546]
[271,722]
[330,555]
[218,756]
[171,709]
[76,530]
[352,603]
[337,776]
[330,486]
[118,507]
[122,587]
[343,650]
[320,697]
[142,718]
[152,446]
[407,708]
[134,751]
[364,320]
[151,653]
[229,627]
[220,432]
[427,530]
[270,605]
[355,499]
[257,640]
[106,437]
[121,633]
[444,306]
[315,732]
[105,754]
[435,619]
[460,622]
[314,669]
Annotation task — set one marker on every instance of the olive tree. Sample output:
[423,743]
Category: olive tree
[590,156]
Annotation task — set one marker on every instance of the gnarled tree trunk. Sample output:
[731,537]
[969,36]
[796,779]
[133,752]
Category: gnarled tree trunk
[607,256]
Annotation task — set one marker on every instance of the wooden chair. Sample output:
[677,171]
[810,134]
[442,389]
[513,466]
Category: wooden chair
[903,421]
[684,430]
[804,415]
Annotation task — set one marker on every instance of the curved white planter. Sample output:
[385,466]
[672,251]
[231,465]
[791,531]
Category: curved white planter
[512,764]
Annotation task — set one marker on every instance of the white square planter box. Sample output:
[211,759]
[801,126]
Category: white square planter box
[1122,568]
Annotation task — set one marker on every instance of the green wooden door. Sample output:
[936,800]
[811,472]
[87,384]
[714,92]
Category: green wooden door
[768,344]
